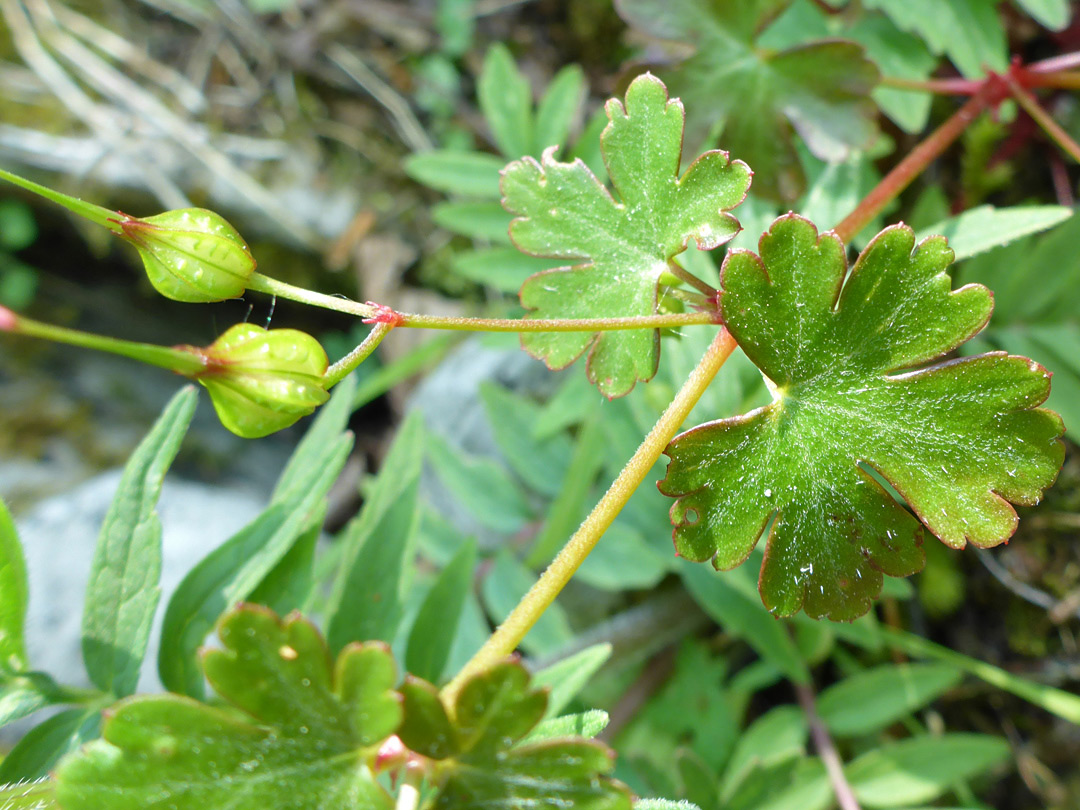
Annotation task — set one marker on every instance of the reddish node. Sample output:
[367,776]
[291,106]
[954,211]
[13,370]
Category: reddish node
[384,314]
[8,320]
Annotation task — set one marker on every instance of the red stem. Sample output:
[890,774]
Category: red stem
[918,159]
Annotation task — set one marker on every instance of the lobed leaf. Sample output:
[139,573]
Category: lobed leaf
[959,441]
[299,732]
[482,767]
[621,246]
[759,98]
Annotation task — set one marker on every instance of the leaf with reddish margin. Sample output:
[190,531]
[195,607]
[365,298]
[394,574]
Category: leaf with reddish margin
[845,354]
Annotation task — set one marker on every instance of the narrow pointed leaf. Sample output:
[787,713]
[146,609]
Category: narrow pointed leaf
[14,594]
[123,591]
[620,245]
[959,440]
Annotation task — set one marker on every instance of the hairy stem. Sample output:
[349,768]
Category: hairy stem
[379,313]
[917,160]
[509,634]
[1044,119]
[343,367]
[949,87]
[281,289]
[687,277]
[672,321]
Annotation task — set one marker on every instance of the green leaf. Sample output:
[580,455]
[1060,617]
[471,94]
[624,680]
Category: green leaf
[470,174]
[620,248]
[875,699]
[1054,14]
[775,737]
[557,109]
[730,600]
[480,220]
[565,678]
[502,268]
[506,101]
[23,694]
[585,724]
[759,98]
[980,229]
[664,804]
[482,768]
[624,560]
[959,440]
[542,464]
[290,583]
[379,544]
[432,632]
[299,733]
[480,485]
[14,594]
[43,746]
[232,571]
[123,591]
[897,55]
[922,768]
[969,32]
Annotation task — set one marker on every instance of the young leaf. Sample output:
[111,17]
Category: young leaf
[29,796]
[299,733]
[566,678]
[233,570]
[483,768]
[958,440]
[542,464]
[622,246]
[922,768]
[43,746]
[558,108]
[586,724]
[980,229]
[471,174]
[506,101]
[123,591]
[432,633]
[375,567]
[13,596]
[759,97]
[969,32]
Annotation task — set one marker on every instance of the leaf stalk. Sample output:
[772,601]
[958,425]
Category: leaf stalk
[509,634]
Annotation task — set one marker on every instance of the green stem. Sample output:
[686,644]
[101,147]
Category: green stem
[94,213]
[1056,701]
[916,161]
[1044,119]
[509,634]
[343,367]
[671,321]
[687,277]
[173,359]
[1061,79]
[272,286]
[369,311]
[951,87]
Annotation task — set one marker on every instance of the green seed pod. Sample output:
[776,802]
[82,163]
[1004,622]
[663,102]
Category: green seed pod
[191,254]
[263,381]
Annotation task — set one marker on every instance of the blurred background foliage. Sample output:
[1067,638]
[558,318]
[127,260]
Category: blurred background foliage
[357,144]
